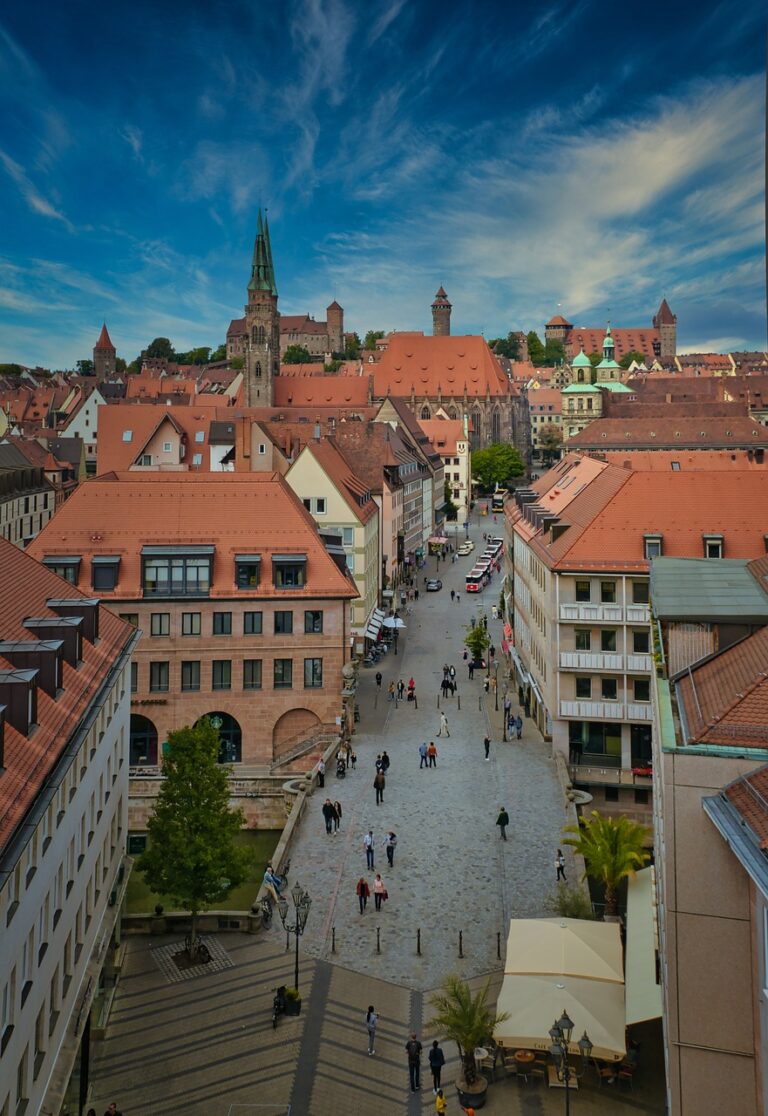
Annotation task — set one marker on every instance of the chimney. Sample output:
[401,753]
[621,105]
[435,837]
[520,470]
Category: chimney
[85,607]
[69,629]
[18,693]
[43,655]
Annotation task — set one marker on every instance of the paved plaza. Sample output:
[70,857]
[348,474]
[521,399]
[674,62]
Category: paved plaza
[206,1046]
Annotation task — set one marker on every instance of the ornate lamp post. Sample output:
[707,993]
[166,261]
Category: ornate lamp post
[295,923]
[560,1032]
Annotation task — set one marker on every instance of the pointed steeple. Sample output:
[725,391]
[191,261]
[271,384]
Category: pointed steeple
[608,345]
[260,267]
[270,265]
[104,341]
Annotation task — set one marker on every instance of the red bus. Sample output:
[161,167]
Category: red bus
[475,581]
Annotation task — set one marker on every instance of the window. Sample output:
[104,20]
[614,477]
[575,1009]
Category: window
[158,677]
[609,688]
[348,536]
[190,623]
[583,687]
[608,592]
[283,674]
[145,459]
[289,571]
[130,618]
[166,447]
[127,435]
[583,638]
[652,546]
[608,639]
[104,569]
[583,590]
[307,504]
[262,449]
[66,567]
[640,592]
[713,546]
[641,795]
[611,794]
[247,571]
[320,505]
[313,621]
[176,576]
[199,436]
[134,677]
[222,623]
[221,677]
[251,674]
[251,623]
[190,675]
[160,624]
[642,688]
[197,459]
[641,642]
[283,623]
[313,674]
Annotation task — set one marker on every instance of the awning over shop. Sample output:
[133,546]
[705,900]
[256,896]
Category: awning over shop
[373,627]
[437,540]
[524,675]
[643,992]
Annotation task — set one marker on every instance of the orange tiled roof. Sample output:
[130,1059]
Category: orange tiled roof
[547,400]
[444,434]
[370,447]
[115,454]
[725,699]
[29,760]
[353,491]
[301,323]
[323,390]
[559,320]
[711,432]
[662,460]
[104,341]
[624,341]
[297,371]
[430,366]
[248,513]
[752,806]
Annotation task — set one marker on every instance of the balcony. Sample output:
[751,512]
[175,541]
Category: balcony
[593,710]
[591,660]
[639,664]
[593,613]
[639,711]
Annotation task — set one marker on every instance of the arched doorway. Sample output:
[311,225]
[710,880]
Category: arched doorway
[142,746]
[230,735]
[294,728]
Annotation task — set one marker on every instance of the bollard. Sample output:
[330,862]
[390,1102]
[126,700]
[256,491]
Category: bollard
[479,703]
[287,941]
[333,939]
[461,943]
[438,699]
[378,939]
[498,945]
[458,701]
[418,941]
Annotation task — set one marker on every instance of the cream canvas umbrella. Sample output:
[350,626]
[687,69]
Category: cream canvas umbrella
[572,946]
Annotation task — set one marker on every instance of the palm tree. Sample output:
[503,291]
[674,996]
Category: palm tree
[467,1019]
[613,849]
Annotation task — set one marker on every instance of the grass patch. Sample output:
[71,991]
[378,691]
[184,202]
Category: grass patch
[261,842]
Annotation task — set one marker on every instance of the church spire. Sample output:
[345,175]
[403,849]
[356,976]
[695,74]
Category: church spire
[262,262]
[270,265]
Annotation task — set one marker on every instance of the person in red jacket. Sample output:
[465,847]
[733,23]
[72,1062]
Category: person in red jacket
[363,893]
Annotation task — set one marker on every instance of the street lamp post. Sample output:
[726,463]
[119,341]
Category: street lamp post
[560,1032]
[496,685]
[504,706]
[296,923]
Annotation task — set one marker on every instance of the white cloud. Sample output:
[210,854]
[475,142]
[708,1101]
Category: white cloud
[29,192]
[134,138]
[387,16]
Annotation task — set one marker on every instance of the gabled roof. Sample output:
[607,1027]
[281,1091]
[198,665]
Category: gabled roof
[443,434]
[724,700]
[116,453]
[413,364]
[302,323]
[625,340]
[334,464]
[372,447]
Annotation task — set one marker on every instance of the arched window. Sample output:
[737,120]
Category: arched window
[258,335]
[581,376]
[230,736]
[496,427]
[257,370]
[143,741]
[426,413]
[477,429]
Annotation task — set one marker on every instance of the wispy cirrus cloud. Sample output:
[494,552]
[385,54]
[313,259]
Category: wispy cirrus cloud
[33,197]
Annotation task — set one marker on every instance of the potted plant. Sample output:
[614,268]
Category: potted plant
[292,1001]
[469,1021]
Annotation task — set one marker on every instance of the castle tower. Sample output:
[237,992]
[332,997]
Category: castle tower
[441,315]
[666,323]
[262,324]
[335,319]
[104,354]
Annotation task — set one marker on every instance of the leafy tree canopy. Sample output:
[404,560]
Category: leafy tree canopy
[554,353]
[201,355]
[497,464]
[84,367]
[371,337]
[159,349]
[508,346]
[536,351]
[595,358]
[219,354]
[613,849]
[353,347]
[632,355]
[477,640]
[550,439]
[451,510]
[10,369]
[191,854]
[120,364]
[237,363]
[296,354]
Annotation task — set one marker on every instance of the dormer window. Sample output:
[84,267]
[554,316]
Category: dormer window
[653,546]
[66,566]
[713,546]
[127,435]
[104,570]
[289,571]
[247,567]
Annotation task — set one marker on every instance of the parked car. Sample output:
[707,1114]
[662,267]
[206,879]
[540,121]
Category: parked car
[434,585]
[466,547]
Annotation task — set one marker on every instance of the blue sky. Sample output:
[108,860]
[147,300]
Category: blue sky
[579,154]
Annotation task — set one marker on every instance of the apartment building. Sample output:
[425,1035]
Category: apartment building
[27,499]
[64,711]
[580,543]
[243,609]
[450,439]
[710,798]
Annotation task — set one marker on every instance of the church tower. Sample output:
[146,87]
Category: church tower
[666,323]
[441,315]
[104,355]
[262,324]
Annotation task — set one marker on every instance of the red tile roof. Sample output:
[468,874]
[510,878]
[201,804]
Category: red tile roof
[355,493]
[664,315]
[444,434]
[725,698]
[667,433]
[749,795]
[559,320]
[104,341]
[546,400]
[29,760]
[430,366]
[624,340]
[249,513]
[701,460]
[115,454]
[323,390]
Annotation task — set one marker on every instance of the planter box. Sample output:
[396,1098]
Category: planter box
[293,1007]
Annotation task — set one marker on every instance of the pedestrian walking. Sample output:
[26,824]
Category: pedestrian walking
[487,683]
[560,866]
[353,759]
[444,687]
[507,706]
[441,1104]
[423,754]
[519,726]
[445,670]
[487,746]
[380,892]
[363,894]
[337,816]
[457,598]
[379,784]
[400,689]
[328,814]
[416,594]
[494,612]
[432,753]
[390,844]
[413,1049]
[443,726]
[370,1026]
[436,1063]
[385,762]
[452,673]
[321,773]
[502,822]
[378,679]
[391,692]
[492,651]
[379,762]
[471,669]
[453,595]
[369,849]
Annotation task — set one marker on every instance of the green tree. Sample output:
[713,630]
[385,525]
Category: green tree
[218,354]
[371,337]
[477,641]
[595,358]
[85,367]
[201,355]
[10,369]
[497,464]
[353,347]
[159,349]
[633,354]
[554,353]
[550,441]
[296,354]
[536,351]
[466,1019]
[191,853]
[613,849]
[134,367]
[451,511]
[508,346]
[120,364]
[237,363]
